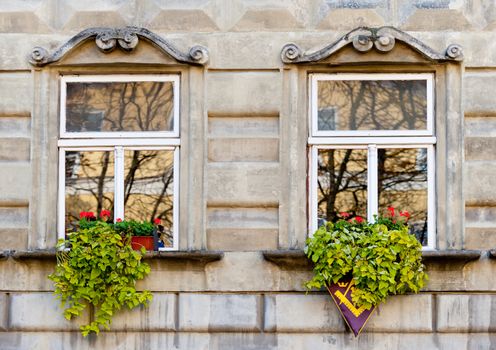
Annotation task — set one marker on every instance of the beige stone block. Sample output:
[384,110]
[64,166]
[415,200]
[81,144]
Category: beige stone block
[226,217]
[243,150]
[476,98]
[482,238]
[219,312]
[242,271]
[480,127]
[189,20]
[348,19]
[480,148]
[14,149]
[406,313]
[26,275]
[267,19]
[438,19]
[13,238]
[160,315]
[299,313]
[24,21]
[243,183]
[14,217]
[232,239]
[247,93]
[480,216]
[252,126]
[4,311]
[40,312]
[15,127]
[16,180]
[457,313]
[480,184]
[16,90]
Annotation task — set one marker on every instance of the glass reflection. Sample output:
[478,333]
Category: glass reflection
[115,106]
[148,188]
[402,175]
[342,183]
[372,105]
[89,184]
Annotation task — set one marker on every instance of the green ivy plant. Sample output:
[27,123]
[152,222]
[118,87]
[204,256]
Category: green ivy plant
[383,258]
[100,269]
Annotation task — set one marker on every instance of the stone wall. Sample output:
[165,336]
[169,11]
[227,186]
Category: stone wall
[248,176]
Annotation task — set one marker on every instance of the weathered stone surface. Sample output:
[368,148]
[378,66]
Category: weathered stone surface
[457,313]
[14,149]
[480,186]
[235,93]
[14,217]
[160,315]
[480,237]
[351,18]
[249,126]
[13,238]
[193,20]
[476,100]
[243,183]
[243,150]
[12,86]
[40,312]
[410,314]
[243,271]
[219,312]
[16,180]
[242,229]
[232,239]
[15,127]
[480,127]
[4,311]
[301,313]
[267,19]
[480,148]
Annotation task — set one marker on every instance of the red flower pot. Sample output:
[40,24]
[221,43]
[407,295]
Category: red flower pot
[142,241]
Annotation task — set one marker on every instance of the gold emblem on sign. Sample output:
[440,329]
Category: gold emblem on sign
[344,300]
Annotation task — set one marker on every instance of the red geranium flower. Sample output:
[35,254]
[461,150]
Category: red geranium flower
[118,220]
[105,213]
[359,219]
[157,221]
[391,211]
[405,213]
[86,215]
[344,214]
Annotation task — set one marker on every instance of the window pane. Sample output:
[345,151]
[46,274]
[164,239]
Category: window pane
[342,183]
[148,188]
[115,106]
[402,175]
[372,105]
[89,184]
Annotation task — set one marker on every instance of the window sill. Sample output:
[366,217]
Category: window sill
[198,256]
[291,259]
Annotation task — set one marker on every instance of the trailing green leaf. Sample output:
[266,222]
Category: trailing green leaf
[382,257]
[101,270]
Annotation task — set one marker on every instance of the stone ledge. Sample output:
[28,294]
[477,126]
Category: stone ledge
[50,254]
[292,258]
[492,254]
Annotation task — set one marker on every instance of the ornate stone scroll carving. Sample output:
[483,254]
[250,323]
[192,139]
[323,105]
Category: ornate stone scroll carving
[127,38]
[364,39]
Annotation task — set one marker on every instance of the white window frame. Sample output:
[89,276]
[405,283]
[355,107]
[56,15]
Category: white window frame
[371,141]
[119,78]
[313,122]
[118,142]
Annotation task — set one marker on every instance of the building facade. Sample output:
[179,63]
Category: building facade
[236,162]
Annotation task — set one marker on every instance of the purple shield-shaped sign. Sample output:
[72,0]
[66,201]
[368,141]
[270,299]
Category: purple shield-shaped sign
[355,317]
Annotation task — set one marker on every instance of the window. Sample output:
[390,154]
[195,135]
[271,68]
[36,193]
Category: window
[119,149]
[372,147]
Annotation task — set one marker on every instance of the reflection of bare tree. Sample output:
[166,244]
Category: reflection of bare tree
[148,178]
[131,106]
[402,173]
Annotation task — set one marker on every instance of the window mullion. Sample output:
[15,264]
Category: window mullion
[119,183]
[372,193]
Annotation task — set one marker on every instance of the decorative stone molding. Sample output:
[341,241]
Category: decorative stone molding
[364,39]
[127,38]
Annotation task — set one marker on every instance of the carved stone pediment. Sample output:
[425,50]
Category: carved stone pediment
[371,40]
[126,39]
